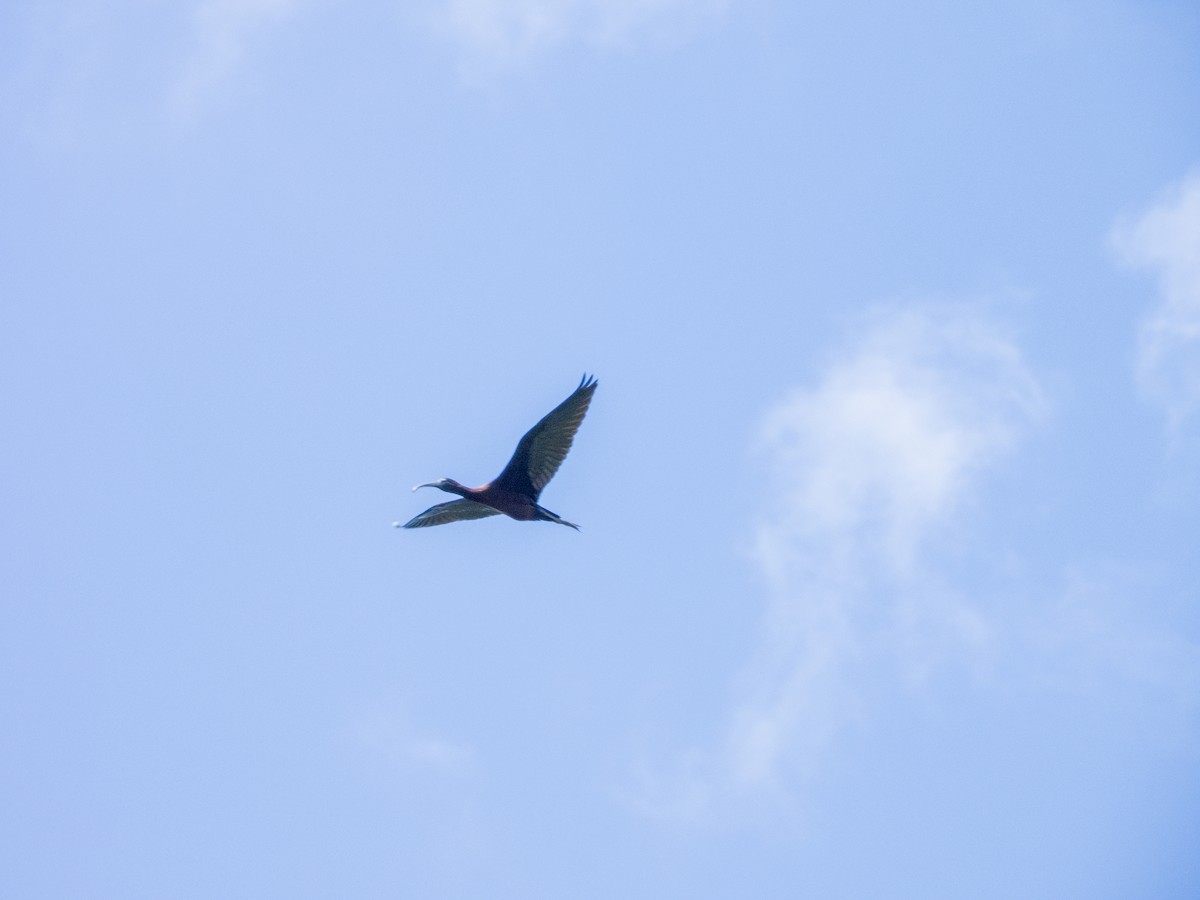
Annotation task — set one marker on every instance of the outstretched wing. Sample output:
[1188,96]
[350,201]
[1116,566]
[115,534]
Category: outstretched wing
[545,445]
[454,511]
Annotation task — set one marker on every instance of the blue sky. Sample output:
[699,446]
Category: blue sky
[887,584]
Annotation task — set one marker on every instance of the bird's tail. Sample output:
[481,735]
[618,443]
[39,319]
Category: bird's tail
[547,516]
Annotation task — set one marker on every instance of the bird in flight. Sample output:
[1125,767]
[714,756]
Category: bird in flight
[515,491]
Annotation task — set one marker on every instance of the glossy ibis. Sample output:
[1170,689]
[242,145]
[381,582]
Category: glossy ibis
[515,491]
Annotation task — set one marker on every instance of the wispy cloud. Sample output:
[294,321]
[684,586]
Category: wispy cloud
[49,81]
[388,735]
[878,464]
[1089,640]
[408,768]
[506,32]
[222,31]
[1166,239]
[885,444]
[872,461]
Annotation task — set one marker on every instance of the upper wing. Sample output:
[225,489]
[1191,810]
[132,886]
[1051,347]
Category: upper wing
[454,511]
[545,445]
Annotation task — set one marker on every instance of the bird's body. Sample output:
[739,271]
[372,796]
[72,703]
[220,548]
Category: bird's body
[515,491]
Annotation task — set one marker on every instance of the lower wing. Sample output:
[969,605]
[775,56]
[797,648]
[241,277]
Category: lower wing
[454,511]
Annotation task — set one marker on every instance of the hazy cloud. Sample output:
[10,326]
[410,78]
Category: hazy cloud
[1166,239]
[56,69]
[877,463]
[411,771]
[388,734]
[1092,639]
[505,32]
[883,446]
[222,30]
[872,460]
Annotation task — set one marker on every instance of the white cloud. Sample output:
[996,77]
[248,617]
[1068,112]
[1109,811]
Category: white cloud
[877,465]
[870,464]
[883,447]
[505,32]
[222,30]
[1166,239]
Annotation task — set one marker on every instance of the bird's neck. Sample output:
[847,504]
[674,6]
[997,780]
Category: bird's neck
[453,487]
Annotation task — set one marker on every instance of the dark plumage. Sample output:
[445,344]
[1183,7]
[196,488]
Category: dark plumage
[515,491]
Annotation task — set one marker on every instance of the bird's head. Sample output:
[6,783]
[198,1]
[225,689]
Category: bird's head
[442,484]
